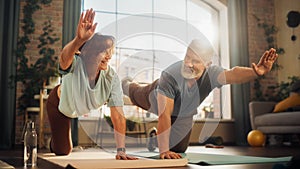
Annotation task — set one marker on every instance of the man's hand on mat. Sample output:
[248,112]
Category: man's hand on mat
[123,156]
[170,155]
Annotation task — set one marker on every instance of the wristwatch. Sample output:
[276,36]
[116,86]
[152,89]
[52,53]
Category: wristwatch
[123,149]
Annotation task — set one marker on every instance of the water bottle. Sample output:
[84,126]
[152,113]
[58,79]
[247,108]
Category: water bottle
[30,145]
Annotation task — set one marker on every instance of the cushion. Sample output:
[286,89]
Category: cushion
[278,119]
[291,101]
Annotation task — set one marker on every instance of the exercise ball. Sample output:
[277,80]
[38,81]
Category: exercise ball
[256,138]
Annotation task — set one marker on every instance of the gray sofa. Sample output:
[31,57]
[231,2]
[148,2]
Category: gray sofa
[262,118]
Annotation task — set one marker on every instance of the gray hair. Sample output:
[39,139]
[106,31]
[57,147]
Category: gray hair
[202,48]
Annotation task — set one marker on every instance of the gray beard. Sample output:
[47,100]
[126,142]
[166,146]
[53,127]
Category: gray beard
[189,74]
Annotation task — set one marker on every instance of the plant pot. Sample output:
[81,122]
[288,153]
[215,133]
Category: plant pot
[209,114]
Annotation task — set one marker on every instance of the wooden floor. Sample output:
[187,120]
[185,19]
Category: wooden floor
[15,157]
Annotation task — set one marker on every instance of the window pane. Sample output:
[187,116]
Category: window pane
[207,29]
[134,6]
[204,18]
[136,63]
[144,65]
[144,57]
[149,42]
[138,42]
[171,27]
[100,5]
[106,23]
[175,8]
[169,45]
[131,26]
[198,12]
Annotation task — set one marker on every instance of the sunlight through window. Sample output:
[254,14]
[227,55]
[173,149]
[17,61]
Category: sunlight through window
[167,24]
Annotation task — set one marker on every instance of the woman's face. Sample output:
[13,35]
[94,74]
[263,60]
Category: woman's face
[193,67]
[105,58]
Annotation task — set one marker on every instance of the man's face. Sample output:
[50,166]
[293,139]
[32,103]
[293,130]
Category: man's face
[193,67]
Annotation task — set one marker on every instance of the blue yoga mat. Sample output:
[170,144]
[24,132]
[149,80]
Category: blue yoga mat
[216,159]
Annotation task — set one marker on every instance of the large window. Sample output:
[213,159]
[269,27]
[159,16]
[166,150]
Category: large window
[152,34]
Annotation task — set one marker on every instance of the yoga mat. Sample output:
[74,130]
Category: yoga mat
[96,159]
[215,159]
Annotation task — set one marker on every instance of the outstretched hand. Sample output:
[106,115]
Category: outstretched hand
[265,63]
[86,26]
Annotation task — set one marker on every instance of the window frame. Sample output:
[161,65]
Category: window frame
[221,44]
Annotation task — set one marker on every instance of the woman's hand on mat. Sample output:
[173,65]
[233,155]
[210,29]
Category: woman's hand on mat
[123,156]
[170,155]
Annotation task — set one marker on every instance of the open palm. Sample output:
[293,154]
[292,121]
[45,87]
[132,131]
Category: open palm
[266,62]
[86,26]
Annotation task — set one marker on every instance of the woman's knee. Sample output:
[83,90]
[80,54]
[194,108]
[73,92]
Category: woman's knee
[60,150]
[63,152]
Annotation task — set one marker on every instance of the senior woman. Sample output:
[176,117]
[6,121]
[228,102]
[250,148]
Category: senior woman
[88,82]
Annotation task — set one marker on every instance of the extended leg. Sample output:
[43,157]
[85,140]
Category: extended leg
[139,95]
[61,142]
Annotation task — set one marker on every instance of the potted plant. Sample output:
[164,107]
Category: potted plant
[282,90]
[47,66]
[209,111]
[270,32]
[34,76]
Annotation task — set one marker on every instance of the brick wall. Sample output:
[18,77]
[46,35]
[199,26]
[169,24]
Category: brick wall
[265,10]
[55,12]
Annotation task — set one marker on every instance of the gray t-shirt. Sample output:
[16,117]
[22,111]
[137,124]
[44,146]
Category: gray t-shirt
[186,99]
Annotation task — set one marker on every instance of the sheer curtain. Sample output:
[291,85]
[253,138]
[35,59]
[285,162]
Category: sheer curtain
[238,39]
[9,12]
[72,11]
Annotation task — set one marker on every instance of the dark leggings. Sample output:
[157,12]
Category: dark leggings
[61,142]
[143,96]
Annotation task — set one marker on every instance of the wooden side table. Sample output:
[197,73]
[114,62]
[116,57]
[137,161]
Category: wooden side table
[42,97]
